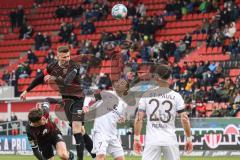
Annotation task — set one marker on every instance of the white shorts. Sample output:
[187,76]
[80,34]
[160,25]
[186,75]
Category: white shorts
[103,145]
[155,152]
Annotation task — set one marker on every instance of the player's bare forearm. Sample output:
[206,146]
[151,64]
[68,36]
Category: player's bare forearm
[186,124]
[138,123]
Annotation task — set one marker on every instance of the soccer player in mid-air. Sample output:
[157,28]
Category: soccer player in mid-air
[65,73]
[43,135]
[161,106]
[105,137]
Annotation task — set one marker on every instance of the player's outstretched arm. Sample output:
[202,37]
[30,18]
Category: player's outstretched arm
[137,131]
[187,128]
[34,145]
[38,80]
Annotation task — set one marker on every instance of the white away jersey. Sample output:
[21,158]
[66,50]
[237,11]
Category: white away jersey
[161,108]
[107,124]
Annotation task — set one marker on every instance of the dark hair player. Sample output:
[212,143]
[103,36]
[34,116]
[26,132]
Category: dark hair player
[64,72]
[43,134]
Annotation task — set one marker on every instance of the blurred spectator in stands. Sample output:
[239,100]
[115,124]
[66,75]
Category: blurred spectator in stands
[170,8]
[46,43]
[233,47]
[74,12]
[216,40]
[13,19]
[190,84]
[225,16]
[141,9]
[120,36]
[204,6]
[79,10]
[73,40]
[204,27]
[218,111]
[200,70]
[38,2]
[229,87]
[65,31]
[38,41]
[172,48]
[200,109]
[199,94]
[230,31]
[28,33]
[13,81]
[131,10]
[180,51]
[145,53]
[233,110]
[13,117]
[69,11]
[13,78]
[32,58]
[159,21]
[25,31]
[23,70]
[87,27]
[20,15]
[188,40]
[176,71]
[61,12]
[86,48]
[237,98]
[104,81]
[87,81]
[39,72]
[6,76]
[50,57]
[212,94]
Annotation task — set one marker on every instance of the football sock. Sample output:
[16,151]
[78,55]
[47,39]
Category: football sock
[88,144]
[79,145]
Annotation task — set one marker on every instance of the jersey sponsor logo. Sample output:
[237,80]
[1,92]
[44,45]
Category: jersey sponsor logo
[213,138]
[45,131]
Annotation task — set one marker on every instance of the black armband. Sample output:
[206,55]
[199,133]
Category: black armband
[38,154]
[38,80]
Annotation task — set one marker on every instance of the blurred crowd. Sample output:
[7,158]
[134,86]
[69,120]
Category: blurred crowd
[198,82]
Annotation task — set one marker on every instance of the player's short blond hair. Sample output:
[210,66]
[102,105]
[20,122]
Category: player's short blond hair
[63,49]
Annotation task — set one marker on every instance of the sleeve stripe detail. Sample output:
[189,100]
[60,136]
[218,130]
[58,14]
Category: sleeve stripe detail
[141,110]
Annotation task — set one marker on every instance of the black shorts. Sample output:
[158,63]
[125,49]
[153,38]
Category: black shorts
[47,147]
[73,108]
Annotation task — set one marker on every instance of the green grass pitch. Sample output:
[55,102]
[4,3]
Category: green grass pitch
[17,157]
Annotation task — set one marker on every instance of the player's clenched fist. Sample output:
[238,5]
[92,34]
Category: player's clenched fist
[137,145]
[23,95]
[188,146]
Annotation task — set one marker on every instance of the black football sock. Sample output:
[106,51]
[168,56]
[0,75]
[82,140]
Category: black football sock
[79,145]
[88,144]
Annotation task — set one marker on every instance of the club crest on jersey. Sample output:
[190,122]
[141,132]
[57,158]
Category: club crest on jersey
[45,131]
